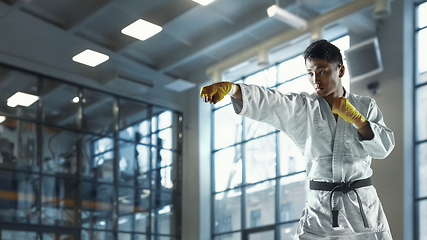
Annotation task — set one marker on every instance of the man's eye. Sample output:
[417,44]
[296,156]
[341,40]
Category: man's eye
[321,71]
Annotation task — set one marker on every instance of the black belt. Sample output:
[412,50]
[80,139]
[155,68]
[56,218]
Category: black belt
[344,188]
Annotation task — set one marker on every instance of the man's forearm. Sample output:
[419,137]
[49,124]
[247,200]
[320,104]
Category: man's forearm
[366,132]
[238,94]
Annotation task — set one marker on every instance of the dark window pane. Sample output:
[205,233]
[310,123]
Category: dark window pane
[60,103]
[97,204]
[98,114]
[164,220]
[59,196]
[12,82]
[60,153]
[18,194]
[18,145]
[8,234]
[98,157]
[232,236]
[134,121]
[96,235]
[55,236]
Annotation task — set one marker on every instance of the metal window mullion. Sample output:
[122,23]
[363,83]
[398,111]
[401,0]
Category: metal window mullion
[78,206]
[278,193]
[212,173]
[243,194]
[39,136]
[150,172]
[116,116]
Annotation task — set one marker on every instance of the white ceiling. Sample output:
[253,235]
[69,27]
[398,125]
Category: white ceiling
[44,35]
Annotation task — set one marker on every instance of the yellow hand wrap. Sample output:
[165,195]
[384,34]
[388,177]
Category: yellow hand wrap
[216,92]
[346,111]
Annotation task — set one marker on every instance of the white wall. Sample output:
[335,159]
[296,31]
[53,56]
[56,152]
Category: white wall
[388,175]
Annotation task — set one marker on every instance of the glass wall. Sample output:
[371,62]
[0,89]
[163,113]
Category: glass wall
[259,180]
[78,163]
[420,119]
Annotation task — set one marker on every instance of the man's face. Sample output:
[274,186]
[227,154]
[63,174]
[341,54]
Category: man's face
[324,77]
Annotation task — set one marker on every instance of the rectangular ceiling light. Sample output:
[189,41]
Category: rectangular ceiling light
[141,29]
[287,17]
[203,2]
[90,58]
[21,99]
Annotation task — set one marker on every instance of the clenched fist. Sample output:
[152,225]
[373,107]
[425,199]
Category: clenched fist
[215,92]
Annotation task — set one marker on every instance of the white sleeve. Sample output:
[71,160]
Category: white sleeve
[383,142]
[282,111]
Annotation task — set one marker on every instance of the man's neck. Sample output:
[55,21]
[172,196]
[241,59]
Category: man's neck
[331,98]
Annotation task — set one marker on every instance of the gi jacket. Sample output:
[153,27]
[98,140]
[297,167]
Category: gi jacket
[333,152]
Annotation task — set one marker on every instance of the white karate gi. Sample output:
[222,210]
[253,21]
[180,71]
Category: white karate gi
[333,152]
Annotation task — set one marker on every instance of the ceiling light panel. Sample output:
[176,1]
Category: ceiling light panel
[203,2]
[22,99]
[90,58]
[141,29]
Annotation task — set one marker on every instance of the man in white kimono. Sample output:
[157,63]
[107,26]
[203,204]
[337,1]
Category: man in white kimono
[337,132]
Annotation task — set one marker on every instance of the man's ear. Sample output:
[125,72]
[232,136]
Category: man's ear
[342,70]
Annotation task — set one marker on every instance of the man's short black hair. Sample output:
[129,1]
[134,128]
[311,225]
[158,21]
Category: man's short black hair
[323,50]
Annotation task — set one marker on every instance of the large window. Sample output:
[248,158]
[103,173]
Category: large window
[420,122]
[259,180]
[79,163]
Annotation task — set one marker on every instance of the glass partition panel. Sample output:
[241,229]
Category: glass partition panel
[58,201]
[18,145]
[422,219]
[292,195]
[254,129]
[421,169]
[98,115]
[291,69]
[422,57]
[18,197]
[60,103]
[227,211]
[291,159]
[98,157]
[260,159]
[260,204]
[227,128]
[287,231]
[18,94]
[97,205]
[127,206]
[421,113]
[59,151]
[422,15]
[228,168]
[265,77]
